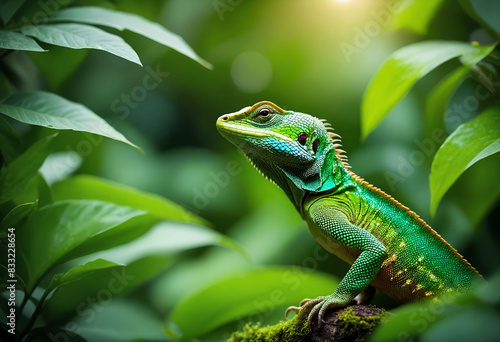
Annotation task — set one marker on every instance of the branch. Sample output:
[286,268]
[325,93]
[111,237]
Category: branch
[353,323]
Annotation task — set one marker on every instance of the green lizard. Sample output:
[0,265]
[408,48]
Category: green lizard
[387,245]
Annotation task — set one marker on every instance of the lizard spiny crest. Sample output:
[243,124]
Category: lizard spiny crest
[336,140]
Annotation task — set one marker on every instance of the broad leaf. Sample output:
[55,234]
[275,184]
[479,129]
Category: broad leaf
[102,284]
[488,12]
[44,191]
[78,36]
[437,102]
[402,324]
[16,215]
[89,187]
[54,232]
[416,15]
[10,40]
[35,190]
[169,238]
[469,143]
[460,317]
[52,111]
[143,269]
[402,70]
[79,272]
[472,57]
[15,175]
[254,292]
[465,324]
[60,165]
[128,21]
[124,320]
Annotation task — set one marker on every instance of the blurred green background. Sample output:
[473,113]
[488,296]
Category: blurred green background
[313,56]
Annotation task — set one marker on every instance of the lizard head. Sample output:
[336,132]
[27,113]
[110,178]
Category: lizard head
[290,148]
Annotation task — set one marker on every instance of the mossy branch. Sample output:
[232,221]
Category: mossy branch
[353,323]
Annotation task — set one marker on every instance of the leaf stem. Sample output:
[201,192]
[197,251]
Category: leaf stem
[35,315]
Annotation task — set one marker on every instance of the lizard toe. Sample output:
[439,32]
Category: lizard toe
[295,309]
[304,301]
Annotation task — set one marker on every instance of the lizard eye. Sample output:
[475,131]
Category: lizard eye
[315,145]
[264,112]
[302,138]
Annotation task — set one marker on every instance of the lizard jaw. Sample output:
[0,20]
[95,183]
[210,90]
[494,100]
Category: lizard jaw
[224,125]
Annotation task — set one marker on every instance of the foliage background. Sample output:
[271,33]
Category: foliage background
[310,56]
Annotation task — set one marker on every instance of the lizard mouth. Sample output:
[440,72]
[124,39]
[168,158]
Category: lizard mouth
[226,126]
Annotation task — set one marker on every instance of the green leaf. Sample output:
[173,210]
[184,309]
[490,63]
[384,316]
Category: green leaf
[35,190]
[43,190]
[469,143]
[89,187]
[437,102]
[466,324]
[472,57]
[401,71]
[19,172]
[78,36]
[16,215]
[416,15]
[254,292]
[124,320]
[132,22]
[53,233]
[488,11]
[52,111]
[456,317]
[409,321]
[169,238]
[106,283]
[143,269]
[79,272]
[17,41]
[60,165]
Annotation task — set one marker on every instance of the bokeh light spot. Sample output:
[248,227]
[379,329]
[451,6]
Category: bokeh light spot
[251,72]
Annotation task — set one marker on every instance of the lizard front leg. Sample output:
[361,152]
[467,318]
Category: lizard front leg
[334,226]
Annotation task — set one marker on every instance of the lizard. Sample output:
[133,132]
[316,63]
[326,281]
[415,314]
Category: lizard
[387,245]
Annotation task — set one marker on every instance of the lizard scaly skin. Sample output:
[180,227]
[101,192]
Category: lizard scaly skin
[386,243]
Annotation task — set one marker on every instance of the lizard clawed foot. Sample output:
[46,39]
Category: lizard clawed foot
[316,308]
[297,309]
[308,305]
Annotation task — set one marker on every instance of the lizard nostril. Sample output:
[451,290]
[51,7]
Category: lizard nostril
[224,118]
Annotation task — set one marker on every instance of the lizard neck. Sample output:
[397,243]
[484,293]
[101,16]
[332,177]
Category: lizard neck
[279,177]
[324,175]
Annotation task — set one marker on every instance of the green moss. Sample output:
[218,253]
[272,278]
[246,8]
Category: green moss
[284,331]
[351,323]
[349,327]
